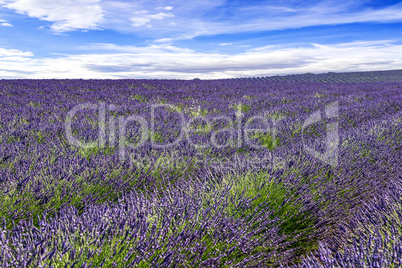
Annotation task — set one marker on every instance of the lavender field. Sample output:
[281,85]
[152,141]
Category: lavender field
[202,173]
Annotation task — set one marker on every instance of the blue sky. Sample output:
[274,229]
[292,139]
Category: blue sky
[206,39]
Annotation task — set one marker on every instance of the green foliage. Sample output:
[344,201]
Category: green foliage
[34,104]
[196,111]
[268,140]
[96,151]
[241,107]
[267,194]
[156,136]
[140,98]
[40,137]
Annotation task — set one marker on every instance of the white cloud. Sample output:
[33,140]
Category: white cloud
[152,49]
[166,61]
[12,62]
[66,15]
[267,8]
[13,53]
[143,18]
[140,21]
[165,8]
[225,44]
[5,23]
[166,21]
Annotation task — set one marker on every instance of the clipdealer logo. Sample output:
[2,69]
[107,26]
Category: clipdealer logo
[238,132]
[330,156]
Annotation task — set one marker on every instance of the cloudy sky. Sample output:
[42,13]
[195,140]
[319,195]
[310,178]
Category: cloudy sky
[200,38]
